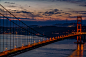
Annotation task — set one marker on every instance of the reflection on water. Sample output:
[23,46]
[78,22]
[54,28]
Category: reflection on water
[18,41]
[64,48]
[78,52]
[58,49]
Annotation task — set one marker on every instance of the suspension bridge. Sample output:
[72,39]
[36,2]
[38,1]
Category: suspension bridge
[13,33]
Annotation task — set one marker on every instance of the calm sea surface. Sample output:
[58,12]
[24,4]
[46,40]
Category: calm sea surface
[64,48]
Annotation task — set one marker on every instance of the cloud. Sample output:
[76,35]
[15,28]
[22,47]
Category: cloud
[23,12]
[68,13]
[9,3]
[40,12]
[83,5]
[52,12]
[82,13]
[1,10]
[78,12]
[30,14]
[74,16]
[12,6]
[55,10]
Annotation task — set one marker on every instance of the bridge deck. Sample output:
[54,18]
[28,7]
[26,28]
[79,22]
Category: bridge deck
[22,49]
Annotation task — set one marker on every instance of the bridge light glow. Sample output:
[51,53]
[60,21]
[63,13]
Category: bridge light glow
[5,48]
[43,39]
[47,38]
[50,38]
[58,37]
[22,45]
[39,40]
[15,46]
[34,41]
[29,43]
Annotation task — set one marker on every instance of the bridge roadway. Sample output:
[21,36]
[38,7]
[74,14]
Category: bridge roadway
[19,50]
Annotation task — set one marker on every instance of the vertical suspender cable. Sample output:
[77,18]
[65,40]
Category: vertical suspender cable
[6,30]
[0,33]
[10,33]
[27,35]
[13,33]
[31,37]
[19,30]
[17,33]
[21,34]
[3,33]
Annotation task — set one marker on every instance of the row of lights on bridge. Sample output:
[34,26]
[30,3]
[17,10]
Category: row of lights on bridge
[40,41]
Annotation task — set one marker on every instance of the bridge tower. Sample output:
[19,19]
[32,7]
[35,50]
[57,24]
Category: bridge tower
[79,28]
[79,24]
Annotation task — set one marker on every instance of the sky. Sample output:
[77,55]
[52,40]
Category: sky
[46,10]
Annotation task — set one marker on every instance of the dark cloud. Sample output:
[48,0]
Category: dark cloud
[68,13]
[59,15]
[78,12]
[9,3]
[14,10]
[82,13]
[53,11]
[40,12]
[83,5]
[23,12]
[1,10]
[12,6]
[31,14]
[74,16]
[35,15]
[6,2]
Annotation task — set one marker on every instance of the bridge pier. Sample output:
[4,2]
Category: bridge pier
[79,40]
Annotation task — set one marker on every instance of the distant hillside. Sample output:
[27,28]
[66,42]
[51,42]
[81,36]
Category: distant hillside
[54,31]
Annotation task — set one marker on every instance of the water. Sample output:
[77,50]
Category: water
[64,48]
[19,40]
